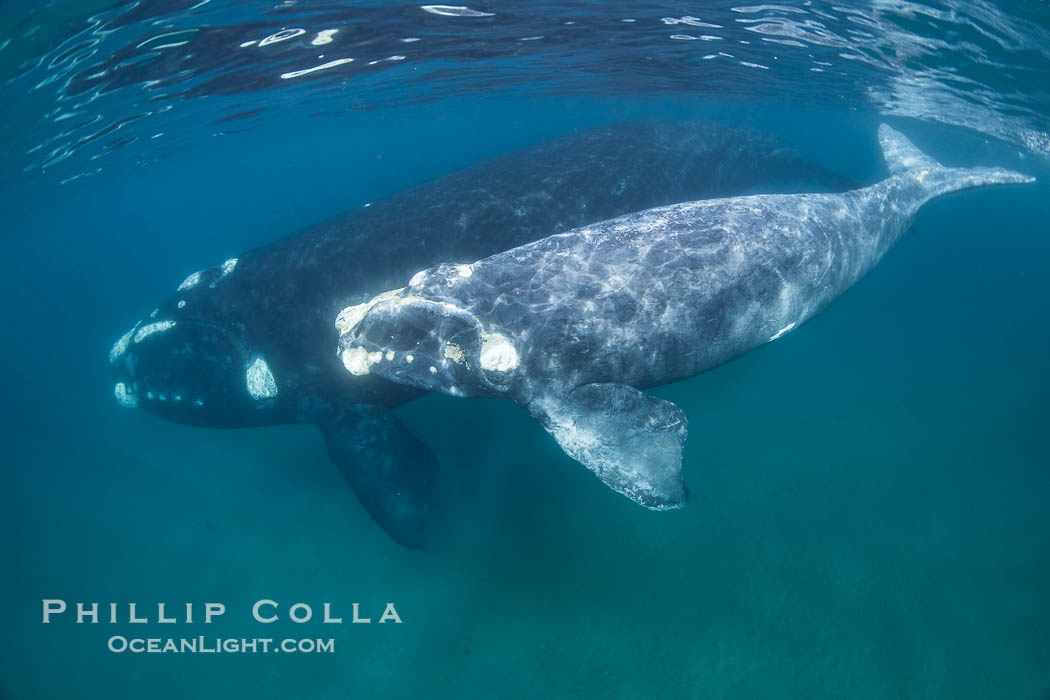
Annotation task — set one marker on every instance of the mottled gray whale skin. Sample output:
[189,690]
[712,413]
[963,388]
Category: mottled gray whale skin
[571,327]
[249,342]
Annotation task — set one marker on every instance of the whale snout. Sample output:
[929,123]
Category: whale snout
[427,344]
[186,371]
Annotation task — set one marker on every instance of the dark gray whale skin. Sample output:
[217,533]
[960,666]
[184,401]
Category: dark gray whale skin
[251,342]
[573,326]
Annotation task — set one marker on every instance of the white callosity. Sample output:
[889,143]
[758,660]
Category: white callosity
[359,361]
[151,328]
[125,397]
[190,282]
[121,346]
[498,354]
[455,353]
[260,381]
[226,268]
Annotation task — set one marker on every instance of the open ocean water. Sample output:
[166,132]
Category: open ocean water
[869,494]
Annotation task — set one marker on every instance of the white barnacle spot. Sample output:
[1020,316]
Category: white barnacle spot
[409,359]
[125,397]
[121,346]
[417,279]
[198,402]
[433,369]
[261,384]
[389,355]
[455,353]
[190,282]
[464,270]
[782,331]
[358,361]
[182,303]
[497,353]
[151,328]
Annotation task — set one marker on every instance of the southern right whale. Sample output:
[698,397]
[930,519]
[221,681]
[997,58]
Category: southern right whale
[573,326]
[248,342]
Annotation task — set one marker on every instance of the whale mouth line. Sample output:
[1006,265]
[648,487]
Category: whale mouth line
[130,395]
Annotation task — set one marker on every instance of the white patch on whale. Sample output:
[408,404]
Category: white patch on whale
[261,384]
[151,328]
[358,361]
[455,353]
[190,282]
[498,354]
[121,346]
[125,397]
[227,268]
[782,331]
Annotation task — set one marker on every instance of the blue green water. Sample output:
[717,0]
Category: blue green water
[868,514]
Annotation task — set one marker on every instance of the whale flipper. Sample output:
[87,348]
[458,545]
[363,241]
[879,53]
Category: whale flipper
[630,440]
[390,469]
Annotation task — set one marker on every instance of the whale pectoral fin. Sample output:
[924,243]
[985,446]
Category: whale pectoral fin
[631,440]
[390,469]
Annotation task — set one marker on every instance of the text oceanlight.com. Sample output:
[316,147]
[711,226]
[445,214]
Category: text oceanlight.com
[218,645]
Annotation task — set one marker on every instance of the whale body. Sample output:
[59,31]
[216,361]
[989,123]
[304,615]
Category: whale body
[249,342]
[573,326]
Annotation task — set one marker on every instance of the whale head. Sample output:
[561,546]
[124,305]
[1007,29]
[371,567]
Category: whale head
[189,363]
[427,344]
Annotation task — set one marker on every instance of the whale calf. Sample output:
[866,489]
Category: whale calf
[249,342]
[573,326]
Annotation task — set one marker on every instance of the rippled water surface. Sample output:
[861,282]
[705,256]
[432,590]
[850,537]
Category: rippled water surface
[869,512]
[124,76]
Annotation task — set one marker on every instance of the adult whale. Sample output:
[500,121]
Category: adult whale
[249,342]
[571,327]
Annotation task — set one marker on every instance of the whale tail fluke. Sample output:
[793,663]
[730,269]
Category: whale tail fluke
[903,159]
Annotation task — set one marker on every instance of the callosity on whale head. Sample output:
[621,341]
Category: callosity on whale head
[433,345]
[184,365]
